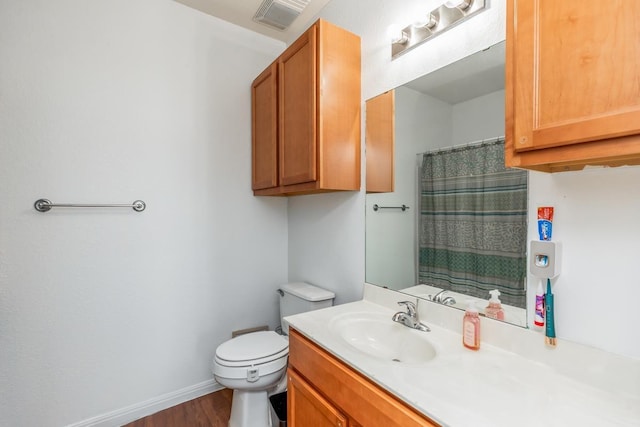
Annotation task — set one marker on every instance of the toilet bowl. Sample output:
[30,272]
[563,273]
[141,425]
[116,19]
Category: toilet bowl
[251,364]
[255,364]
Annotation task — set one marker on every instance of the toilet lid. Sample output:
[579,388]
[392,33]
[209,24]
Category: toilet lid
[264,345]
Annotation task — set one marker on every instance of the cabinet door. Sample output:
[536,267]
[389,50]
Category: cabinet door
[380,143]
[297,89]
[573,79]
[306,407]
[264,105]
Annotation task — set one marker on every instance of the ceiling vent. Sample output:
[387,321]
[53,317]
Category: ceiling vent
[279,13]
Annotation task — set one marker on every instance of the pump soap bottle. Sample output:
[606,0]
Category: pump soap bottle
[471,327]
[494,309]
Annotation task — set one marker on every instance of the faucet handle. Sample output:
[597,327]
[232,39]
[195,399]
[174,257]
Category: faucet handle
[411,307]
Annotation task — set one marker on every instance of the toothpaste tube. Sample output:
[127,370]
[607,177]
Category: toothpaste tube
[545,220]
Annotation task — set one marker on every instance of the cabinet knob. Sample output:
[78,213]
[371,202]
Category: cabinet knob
[523,140]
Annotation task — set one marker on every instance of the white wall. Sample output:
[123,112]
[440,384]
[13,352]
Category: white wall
[108,102]
[597,210]
[478,118]
[597,221]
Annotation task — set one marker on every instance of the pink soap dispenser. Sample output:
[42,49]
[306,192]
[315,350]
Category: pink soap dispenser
[494,310]
[471,327]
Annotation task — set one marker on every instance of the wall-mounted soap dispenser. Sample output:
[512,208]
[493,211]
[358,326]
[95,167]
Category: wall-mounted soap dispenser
[544,259]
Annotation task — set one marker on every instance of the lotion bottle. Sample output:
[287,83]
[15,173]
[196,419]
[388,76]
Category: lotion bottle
[471,327]
[494,310]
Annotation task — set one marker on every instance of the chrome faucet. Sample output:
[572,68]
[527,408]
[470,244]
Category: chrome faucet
[410,317]
[442,299]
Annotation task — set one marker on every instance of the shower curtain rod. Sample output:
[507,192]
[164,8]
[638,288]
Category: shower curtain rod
[480,142]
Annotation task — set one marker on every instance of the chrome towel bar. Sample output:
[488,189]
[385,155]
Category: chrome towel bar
[44,205]
[403,207]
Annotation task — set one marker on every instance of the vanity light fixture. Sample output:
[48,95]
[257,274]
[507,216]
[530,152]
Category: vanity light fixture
[444,17]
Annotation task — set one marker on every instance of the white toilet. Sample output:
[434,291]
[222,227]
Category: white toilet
[253,364]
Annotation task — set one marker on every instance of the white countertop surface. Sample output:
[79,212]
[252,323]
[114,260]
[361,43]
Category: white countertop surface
[491,387]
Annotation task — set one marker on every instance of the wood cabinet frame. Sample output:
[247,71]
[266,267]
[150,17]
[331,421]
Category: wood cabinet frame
[572,88]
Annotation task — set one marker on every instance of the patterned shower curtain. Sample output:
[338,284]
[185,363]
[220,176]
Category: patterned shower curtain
[473,222]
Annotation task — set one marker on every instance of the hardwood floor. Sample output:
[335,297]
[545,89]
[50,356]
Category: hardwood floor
[211,410]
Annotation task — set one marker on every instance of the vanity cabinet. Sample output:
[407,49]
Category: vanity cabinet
[306,116]
[322,390]
[572,84]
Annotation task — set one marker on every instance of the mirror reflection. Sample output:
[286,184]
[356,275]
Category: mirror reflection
[441,155]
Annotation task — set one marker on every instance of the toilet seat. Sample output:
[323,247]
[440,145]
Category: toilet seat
[256,347]
[251,356]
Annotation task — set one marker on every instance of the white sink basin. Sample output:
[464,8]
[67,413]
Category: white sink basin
[378,336]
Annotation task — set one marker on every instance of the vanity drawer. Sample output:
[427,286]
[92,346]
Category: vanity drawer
[363,402]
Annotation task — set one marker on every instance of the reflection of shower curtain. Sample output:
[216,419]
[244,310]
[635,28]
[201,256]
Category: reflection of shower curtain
[473,222]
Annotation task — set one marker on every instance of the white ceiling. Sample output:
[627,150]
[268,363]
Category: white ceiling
[240,12]
[468,78]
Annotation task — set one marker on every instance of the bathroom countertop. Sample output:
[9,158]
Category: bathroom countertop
[491,387]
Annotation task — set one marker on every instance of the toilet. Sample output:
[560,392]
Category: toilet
[254,364]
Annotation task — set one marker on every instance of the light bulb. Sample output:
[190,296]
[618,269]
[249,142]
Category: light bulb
[403,38]
[430,22]
[392,32]
[460,4]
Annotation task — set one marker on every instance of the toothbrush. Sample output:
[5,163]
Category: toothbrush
[550,330]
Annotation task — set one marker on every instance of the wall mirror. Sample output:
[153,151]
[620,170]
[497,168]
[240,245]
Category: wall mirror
[460,105]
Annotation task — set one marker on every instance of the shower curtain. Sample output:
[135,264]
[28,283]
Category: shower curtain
[473,222]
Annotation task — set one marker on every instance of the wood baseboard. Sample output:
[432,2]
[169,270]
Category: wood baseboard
[151,406]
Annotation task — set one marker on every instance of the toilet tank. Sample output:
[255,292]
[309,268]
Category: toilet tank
[300,297]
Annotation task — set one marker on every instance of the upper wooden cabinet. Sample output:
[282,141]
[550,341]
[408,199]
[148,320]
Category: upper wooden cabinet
[316,85]
[572,84]
[380,143]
